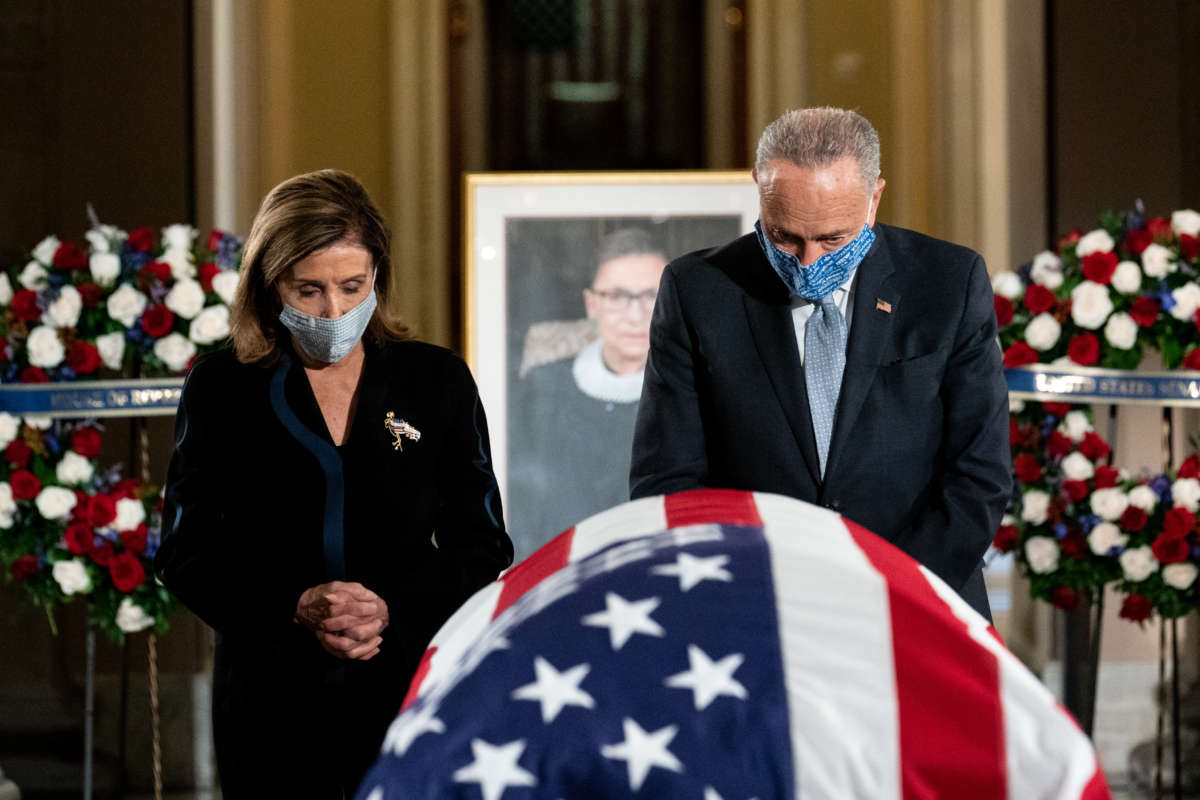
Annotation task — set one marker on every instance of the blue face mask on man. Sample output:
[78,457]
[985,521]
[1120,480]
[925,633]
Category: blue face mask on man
[822,276]
[328,340]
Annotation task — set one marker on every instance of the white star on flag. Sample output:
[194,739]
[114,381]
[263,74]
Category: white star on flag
[691,570]
[623,618]
[554,689]
[405,730]
[709,794]
[642,751]
[495,768]
[709,679]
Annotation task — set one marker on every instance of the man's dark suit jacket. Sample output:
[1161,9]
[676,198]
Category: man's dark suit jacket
[919,452]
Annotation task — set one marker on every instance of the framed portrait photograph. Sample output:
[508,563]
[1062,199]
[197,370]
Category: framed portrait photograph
[562,271]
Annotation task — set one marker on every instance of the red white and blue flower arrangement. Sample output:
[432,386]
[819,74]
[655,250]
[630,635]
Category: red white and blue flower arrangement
[139,304]
[1077,524]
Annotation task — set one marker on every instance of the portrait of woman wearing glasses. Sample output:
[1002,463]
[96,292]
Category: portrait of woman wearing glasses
[571,420]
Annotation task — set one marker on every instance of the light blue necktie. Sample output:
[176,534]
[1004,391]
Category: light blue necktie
[824,362]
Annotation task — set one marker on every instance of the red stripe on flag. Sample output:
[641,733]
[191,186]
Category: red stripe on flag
[947,687]
[546,560]
[414,688]
[711,506]
[1097,788]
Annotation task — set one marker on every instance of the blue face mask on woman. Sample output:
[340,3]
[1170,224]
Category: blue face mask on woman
[823,275]
[328,340]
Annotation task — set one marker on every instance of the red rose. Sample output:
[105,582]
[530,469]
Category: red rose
[1065,598]
[68,256]
[1019,355]
[1059,444]
[1071,238]
[1030,438]
[1196,318]
[25,485]
[1144,311]
[1178,523]
[1099,267]
[102,553]
[1133,519]
[101,510]
[91,294]
[1136,607]
[1014,432]
[154,272]
[1057,409]
[1027,468]
[86,442]
[79,539]
[18,453]
[135,540]
[1192,359]
[1189,247]
[1107,477]
[1190,468]
[127,488]
[1084,349]
[83,357]
[79,512]
[140,240]
[24,305]
[1136,241]
[1038,298]
[157,321]
[1170,549]
[34,375]
[1003,306]
[1075,490]
[1093,447]
[214,240]
[23,567]
[206,273]
[1075,545]
[1159,228]
[1006,538]
[127,571]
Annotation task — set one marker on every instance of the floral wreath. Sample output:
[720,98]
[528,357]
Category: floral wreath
[1075,523]
[136,302]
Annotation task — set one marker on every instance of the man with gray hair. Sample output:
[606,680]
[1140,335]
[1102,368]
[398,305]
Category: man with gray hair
[834,359]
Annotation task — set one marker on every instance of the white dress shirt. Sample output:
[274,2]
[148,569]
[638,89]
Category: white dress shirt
[802,309]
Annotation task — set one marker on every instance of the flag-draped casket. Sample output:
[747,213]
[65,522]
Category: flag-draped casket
[718,644]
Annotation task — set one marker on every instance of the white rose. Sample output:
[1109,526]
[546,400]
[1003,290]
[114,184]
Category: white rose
[1047,270]
[10,426]
[1138,563]
[1042,332]
[105,268]
[1186,221]
[131,617]
[175,350]
[112,349]
[1008,284]
[1179,576]
[130,514]
[1143,497]
[33,276]
[126,304]
[178,237]
[1187,300]
[45,250]
[1110,503]
[1077,467]
[102,237]
[55,502]
[210,325]
[6,291]
[1121,331]
[39,423]
[45,350]
[1075,426]
[225,283]
[64,311]
[73,469]
[186,298]
[1015,405]
[1090,305]
[8,507]
[1104,537]
[72,576]
[1128,277]
[1034,505]
[1097,241]
[1042,554]
[1157,261]
[180,262]
[1186,492]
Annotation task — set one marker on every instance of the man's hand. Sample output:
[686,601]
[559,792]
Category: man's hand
[346,618]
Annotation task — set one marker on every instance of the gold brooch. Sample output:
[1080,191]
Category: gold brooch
[401,430]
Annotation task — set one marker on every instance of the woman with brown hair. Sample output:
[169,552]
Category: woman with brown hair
[330,500]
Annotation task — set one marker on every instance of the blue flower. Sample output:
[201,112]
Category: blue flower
[56,280]
[153,539]
[1162,487]
[1060,531]
[51,442]
[228,250]
[1088,521]
[1116,550]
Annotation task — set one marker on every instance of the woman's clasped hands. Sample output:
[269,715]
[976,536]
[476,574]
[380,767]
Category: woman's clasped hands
[346,617]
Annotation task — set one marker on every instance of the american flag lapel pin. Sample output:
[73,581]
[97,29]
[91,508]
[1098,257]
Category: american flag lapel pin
[883,305]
